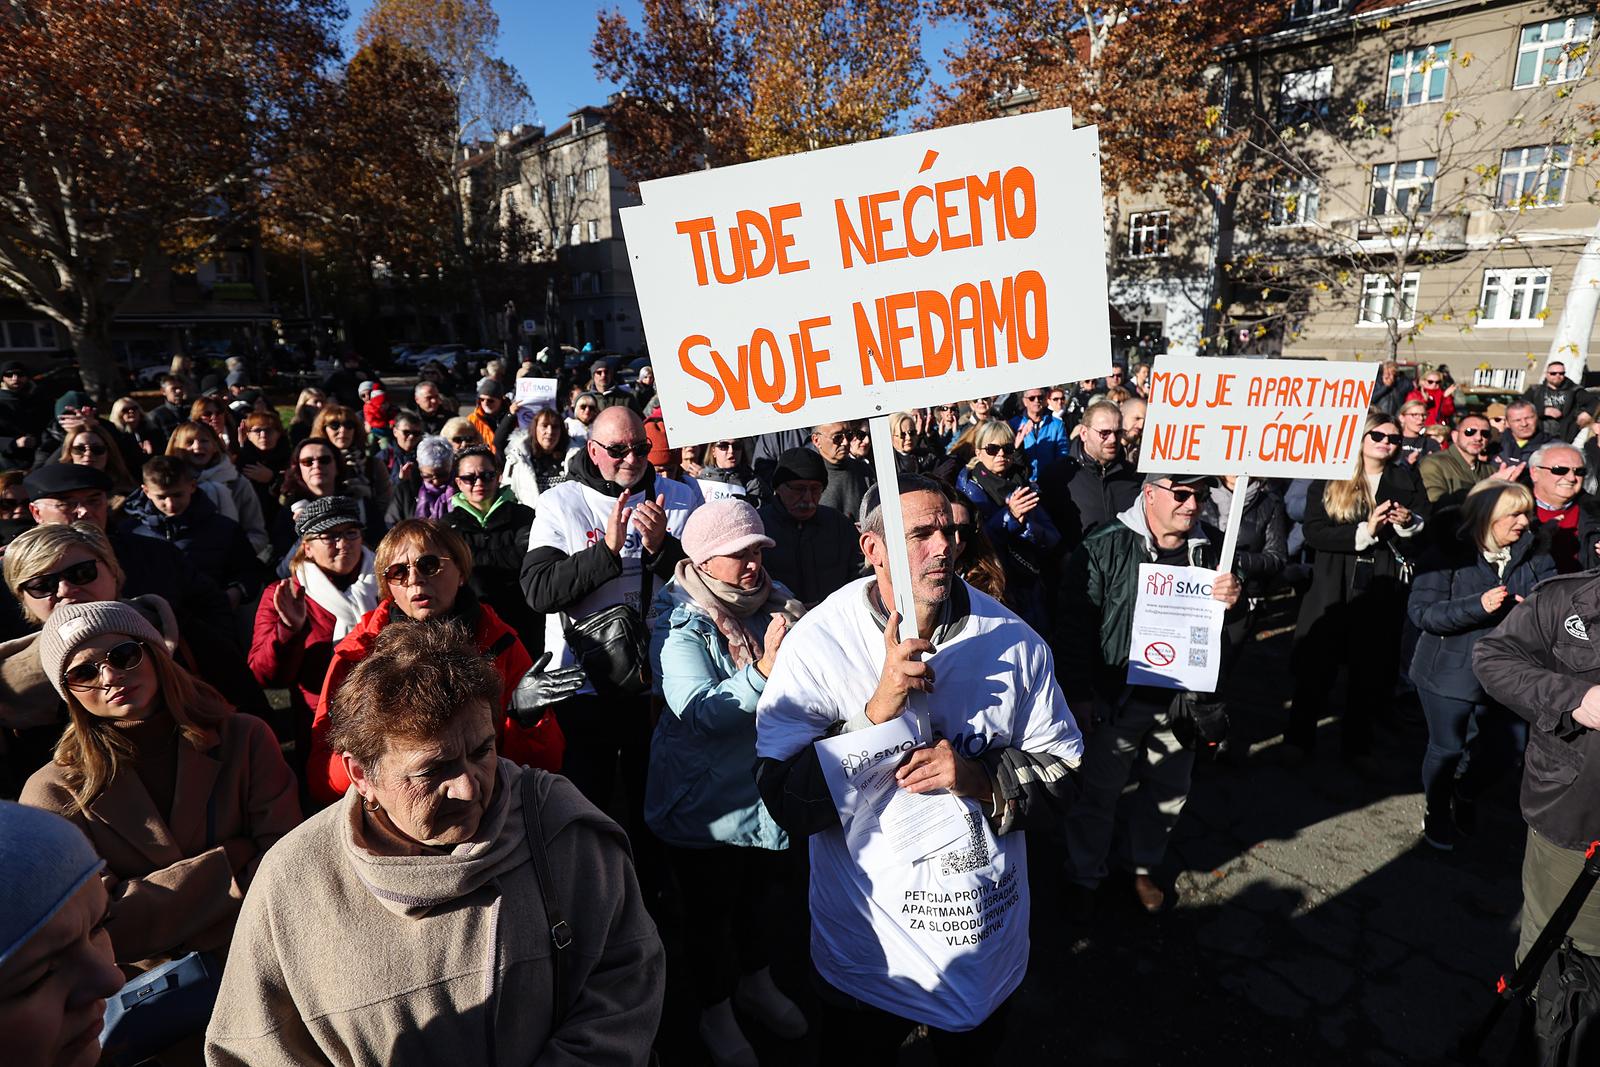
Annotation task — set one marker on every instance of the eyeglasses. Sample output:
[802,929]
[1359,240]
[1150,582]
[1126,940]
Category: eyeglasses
[1184,495]
[1379,437]
[999,450]
[725,446]
[474,477]
[122,657]
[466,439]
[253,430]
[79,574]
[426,567]
[89,450]
[1110,432]
[1472,431]
[316,461]
[1034,399]
[339,424]
[620,451]
[1562,472]
[336,537]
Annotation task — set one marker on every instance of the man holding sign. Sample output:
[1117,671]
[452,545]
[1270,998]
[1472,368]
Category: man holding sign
[940,934]
[1098,593]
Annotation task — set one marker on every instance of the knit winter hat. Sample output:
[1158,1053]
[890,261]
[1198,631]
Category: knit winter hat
[490,387]
[323,513]
[73,398]
[44,860]
[71,626]
[365,389]
[799,465]
[722,528]
[660,452]
[434,451]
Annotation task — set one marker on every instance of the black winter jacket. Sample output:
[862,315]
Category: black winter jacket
[1447,606]
[211,543]
[1539,663]
[815,558]
[1082,496]
[498,545]
[21,415]
[1562,398]
[1263,547]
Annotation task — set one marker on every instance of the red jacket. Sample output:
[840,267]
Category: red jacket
[1440,405]
[539,746]
[279,658]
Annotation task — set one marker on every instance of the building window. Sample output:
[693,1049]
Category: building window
[1403,188]
[27,336]
[1416,75]
[121,271]
[576,237]
[1532,177]
[572,187]
[1148,233]
[1379,302]
[1310,9]
[233,267]
[591,180]
[1514,297]
[1555,51]
[554,192]
[594,229]
[533,194]
[1294,200]
[1303,95]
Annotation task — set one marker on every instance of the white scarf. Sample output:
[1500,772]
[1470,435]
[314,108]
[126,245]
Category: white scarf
[347,606]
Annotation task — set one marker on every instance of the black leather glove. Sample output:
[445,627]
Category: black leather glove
[540,688]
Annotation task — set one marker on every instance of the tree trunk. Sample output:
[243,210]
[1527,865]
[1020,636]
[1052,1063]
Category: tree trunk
[1218,289]
[97,362]
[1571,342]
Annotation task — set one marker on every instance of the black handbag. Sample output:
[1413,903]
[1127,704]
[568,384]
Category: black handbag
[613,645]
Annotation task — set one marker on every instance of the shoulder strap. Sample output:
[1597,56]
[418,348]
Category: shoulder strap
[560,932]
[644,586]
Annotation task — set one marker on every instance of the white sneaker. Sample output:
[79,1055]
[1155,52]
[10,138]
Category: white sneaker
[720,1033]
[759,997]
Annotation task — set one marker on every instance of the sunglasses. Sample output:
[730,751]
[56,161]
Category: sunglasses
[838,438]
[122,657]
[426,567]
[725,446]
[466,440]
[79,574]
[474,477]
[1182,495]
[1555,374]
[336,537]
[1032,399]
[340,424]
[1562,472]
[999,450]
[1430,381]
[1472,431]
[858,435]
[316,461]
[88,450]
[620,451]
[1379,437]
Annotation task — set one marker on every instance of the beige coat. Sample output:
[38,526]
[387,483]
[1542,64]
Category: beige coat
[176,885]
[346,956]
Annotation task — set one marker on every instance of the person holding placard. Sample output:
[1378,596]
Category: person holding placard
[1363,529]
[1132,725]
[942,941]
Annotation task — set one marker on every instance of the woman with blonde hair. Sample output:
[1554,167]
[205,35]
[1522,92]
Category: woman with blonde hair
[1464,587]
[1415,442]
[366,474]
[178,794]
[128,416]
[90,446]
[220,480]
[1363,530]
[1007,505]
[306,406]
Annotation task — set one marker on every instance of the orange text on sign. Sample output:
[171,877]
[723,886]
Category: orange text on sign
[757,243]
[939,217]
[764,367]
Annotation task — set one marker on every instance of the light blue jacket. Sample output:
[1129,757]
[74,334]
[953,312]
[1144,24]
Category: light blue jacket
[701,789]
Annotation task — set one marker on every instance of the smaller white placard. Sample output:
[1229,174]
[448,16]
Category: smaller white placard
[1177,629]
[533,396]
[885,826]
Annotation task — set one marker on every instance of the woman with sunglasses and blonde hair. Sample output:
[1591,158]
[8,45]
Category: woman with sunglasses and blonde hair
[178,794]
[725,471]
[1364,532]
[1465,586]
[366,474]
[129,417]
[1007,504]
[424,570]
[90,446]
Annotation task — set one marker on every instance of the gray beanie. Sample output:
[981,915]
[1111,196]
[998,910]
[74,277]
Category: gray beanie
[434,451]
[44,860]
[72,626]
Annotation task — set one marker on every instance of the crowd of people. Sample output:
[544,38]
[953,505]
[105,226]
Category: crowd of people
[511,692]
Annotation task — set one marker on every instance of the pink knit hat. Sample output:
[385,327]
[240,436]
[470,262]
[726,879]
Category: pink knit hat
[722,528]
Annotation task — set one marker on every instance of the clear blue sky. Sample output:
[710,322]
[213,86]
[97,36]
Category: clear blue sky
[548,42]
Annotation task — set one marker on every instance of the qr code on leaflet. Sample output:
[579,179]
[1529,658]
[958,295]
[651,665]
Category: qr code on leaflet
[973,857]
[1197,657]
[1199,635]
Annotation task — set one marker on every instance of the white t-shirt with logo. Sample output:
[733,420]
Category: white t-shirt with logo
[945,940]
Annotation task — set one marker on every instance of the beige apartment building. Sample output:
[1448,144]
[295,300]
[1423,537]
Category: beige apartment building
[1433,185]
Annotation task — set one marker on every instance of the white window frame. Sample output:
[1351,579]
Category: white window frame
[594,230]
[1378,295]
[576,236]
[1575,31]
[1421,62]
[1306,93]
[1305,10]
[1402,179]
[1534,167]
[1522,289]
[1307,192]
[1149,234]
[591,180]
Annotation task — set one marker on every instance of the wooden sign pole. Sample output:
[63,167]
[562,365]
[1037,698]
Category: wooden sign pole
[894,525]
[1230,536]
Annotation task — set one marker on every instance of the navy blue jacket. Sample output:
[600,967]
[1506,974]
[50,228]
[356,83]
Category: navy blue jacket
[1447,606]
[212,543]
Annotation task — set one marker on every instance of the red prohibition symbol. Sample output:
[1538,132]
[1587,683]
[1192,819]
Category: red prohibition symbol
[1159,654]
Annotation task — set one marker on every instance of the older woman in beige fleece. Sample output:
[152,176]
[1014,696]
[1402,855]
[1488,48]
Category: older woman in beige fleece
[409,923]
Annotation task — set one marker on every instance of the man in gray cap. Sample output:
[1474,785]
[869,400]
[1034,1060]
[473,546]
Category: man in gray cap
[56,963]
[1126,722]
[491,416]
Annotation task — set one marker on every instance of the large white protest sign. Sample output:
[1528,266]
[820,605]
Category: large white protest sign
[1177,629]
[870,278]
[1266,418]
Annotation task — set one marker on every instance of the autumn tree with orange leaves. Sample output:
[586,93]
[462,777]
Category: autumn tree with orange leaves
[707,83]
[137,128]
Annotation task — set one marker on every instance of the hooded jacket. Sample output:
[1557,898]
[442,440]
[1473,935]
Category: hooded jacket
[211,542]
[529,475]
[325,776]
[1083,495]
[247,506]
[455,955]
